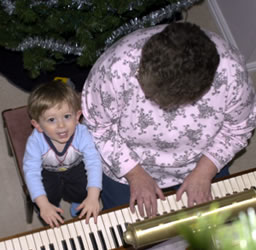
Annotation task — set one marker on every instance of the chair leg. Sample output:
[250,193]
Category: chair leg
[9,148]
[29,207]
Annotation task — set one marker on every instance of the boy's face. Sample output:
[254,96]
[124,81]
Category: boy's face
[58,123]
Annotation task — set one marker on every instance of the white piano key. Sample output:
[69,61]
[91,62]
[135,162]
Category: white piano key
[105,233]
[23,242]
[16,244]
[80,232]
[252,179]
[30,241]
[37,240]
[87,231]
[246,181]
[240,183]
[94,230]
[73,234]
[138,213]
[120,219]
[166,205]
[179,204]
[2,246]
[66,235]
[126,215]
[133,216]
[235,187]
[9,245]
[222,188]
[228,187]
[45,239]
[110,220]
[59,237]
[52,238]
[215,190]
[160,209]
[184,199]
[172,202]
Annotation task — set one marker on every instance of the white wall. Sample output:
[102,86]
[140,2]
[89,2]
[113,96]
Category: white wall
[237,21]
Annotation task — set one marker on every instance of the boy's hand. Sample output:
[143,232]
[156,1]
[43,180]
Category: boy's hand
[91,205]
[48,212]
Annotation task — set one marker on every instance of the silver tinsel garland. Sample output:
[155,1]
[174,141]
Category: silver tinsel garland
[74,49]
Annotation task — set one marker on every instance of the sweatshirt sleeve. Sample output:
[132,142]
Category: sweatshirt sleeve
[102,102]
[239,116]
[32,167]
[92,159]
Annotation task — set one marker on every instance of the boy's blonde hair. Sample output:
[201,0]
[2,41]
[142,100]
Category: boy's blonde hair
[50,94]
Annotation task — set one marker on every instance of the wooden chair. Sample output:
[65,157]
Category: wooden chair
[17,129]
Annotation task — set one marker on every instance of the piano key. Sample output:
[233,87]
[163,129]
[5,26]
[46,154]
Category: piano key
[228,187]
[100,224]
[111,224]
[59,237]
[86,233]
[215,191]
[126,215]
[9,245]
[66,235]
[222,188]
[30,241]
[73,235]
[45,240]
[23,242]
[160,209]
[2,246]
[184,199]
[246,181]
[90,227]
[235,187]
[166,205]
[81,243]
[52,239]
[81,237]
[94,228]
[133,216]
[138,213]
[111,221]
[122,224]
[16,244]
[240,183]
[172,202]
[37,240]
[252,179]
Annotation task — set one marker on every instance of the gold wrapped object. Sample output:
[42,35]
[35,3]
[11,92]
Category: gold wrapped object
[160,228]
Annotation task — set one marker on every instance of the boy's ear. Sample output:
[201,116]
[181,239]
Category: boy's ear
[78,115]
[36,125]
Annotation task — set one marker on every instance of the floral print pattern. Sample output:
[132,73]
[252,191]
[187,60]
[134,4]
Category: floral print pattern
[129,129]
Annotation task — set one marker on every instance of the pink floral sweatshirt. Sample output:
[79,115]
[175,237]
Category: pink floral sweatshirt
[129,129]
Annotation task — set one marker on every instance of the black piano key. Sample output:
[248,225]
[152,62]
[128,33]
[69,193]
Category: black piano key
[121,233]
[81,242]
[51,246]
[102,240]
[64,245]
[93,240]
[112,231]
[72,243]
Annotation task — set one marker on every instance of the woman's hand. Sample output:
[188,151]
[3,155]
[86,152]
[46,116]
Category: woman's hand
[197,184]
[144,190]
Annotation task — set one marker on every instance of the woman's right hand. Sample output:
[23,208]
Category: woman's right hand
[144,190]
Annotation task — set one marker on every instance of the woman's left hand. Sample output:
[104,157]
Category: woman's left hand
[197,184]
